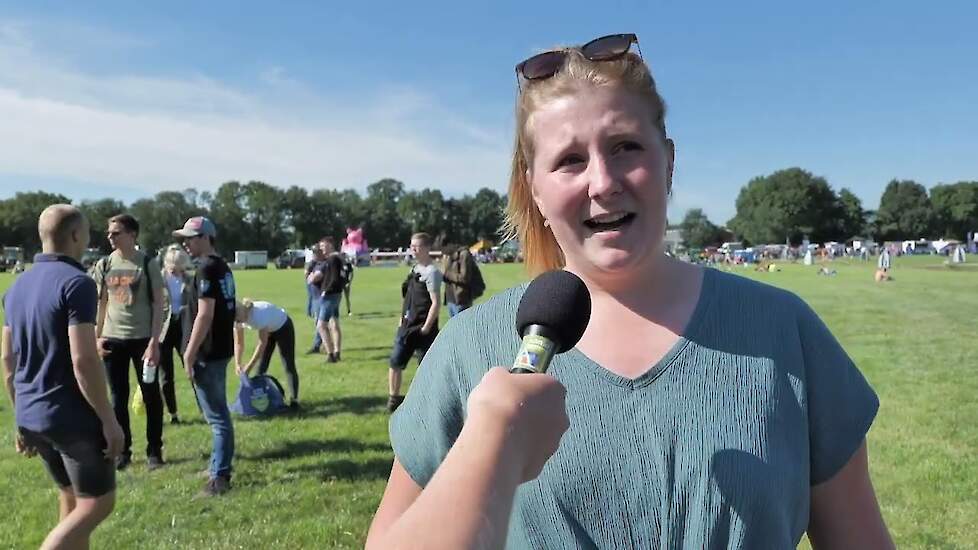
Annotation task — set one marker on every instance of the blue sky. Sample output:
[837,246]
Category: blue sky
[126,99]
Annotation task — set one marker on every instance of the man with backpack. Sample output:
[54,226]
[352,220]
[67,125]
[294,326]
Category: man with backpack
[331,283]
[129,322]
[463,281]
[417,326]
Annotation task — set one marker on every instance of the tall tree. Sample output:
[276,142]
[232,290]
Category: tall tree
[18,218]
[229,212]
[905,211]
[852,221]
[159,215]
[383,224]
[424,211]
[955,209]
[486,214]
[788,204]
[267,217]
[697,230]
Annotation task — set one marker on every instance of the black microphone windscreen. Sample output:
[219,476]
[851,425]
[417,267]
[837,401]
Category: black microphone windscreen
[559,301]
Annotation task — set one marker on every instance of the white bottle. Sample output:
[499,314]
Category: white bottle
[149,372]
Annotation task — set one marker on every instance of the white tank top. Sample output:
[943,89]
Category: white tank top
[267,316]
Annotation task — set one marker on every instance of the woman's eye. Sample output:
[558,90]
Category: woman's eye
[570,160]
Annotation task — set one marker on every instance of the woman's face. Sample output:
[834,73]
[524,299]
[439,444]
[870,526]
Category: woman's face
[600,176]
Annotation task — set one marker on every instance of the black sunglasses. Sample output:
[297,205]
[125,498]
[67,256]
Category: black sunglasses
[545,65]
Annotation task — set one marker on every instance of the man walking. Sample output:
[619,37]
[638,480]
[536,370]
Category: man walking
[418,324]
[211,344]
[55,379]
[331,283]
[130,319]
[463,281]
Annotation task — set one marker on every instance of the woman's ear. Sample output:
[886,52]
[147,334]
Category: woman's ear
[536,197]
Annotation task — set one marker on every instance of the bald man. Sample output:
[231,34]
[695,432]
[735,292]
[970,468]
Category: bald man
[56,381]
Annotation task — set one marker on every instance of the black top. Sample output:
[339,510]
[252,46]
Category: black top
[332,282]
[215,280]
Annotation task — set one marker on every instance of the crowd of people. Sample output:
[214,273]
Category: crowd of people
[699,409]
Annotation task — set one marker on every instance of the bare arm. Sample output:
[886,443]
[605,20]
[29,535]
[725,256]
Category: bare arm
[238,345]
[92,383]
[514,425]
[88,369]
[480,513]
[431,321]
[103,302]
[9,362]
[202,325]
[845,512]
[259,350]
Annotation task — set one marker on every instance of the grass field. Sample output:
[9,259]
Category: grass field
[313,480]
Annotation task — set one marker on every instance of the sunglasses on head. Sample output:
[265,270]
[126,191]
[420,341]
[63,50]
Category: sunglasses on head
[545,65]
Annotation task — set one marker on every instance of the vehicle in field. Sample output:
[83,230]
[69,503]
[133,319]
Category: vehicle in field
[293,257]
[250,259]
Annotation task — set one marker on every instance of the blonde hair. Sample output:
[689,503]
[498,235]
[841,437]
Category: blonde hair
[242,311]
[176,257]
[523,219]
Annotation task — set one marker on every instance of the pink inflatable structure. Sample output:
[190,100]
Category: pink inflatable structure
[355,245]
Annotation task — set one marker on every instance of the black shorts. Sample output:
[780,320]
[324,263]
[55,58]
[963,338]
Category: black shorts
[74,460]
[408,342]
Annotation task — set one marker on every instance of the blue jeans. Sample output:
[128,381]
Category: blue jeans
[330,306]
[211,380]
[454,309]
[315,305]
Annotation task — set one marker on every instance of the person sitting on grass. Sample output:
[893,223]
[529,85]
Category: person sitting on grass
[274,327]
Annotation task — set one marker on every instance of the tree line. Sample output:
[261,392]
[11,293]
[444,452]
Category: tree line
[791,204]
[259,216]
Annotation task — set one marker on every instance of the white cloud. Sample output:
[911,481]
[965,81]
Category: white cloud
[155,132]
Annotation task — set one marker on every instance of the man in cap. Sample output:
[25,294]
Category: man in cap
[210,345]
[56,381]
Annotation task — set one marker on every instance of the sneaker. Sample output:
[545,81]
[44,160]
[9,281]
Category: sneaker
[312,351]
[337,357]
[393,402]
[332,358]
[155,463]
[217,486]
[174,419]
[294,405]
[123,462]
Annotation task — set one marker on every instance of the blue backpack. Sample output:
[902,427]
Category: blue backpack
[260,395]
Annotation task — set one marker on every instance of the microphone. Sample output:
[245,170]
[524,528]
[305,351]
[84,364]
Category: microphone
[552,316]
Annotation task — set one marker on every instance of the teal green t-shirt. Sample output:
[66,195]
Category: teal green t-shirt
[716,446]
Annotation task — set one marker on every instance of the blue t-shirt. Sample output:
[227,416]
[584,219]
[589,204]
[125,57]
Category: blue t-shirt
[39,307]
[716,446]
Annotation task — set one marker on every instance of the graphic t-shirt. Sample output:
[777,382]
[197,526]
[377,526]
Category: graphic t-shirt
[214,279]
[129,312]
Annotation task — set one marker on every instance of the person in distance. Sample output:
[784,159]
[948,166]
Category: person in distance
[738,422]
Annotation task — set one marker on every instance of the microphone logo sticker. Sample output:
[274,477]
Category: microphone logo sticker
[535,352]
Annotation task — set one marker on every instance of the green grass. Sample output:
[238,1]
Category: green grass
[313,480]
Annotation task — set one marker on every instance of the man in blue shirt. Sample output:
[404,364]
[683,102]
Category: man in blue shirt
[56,381]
